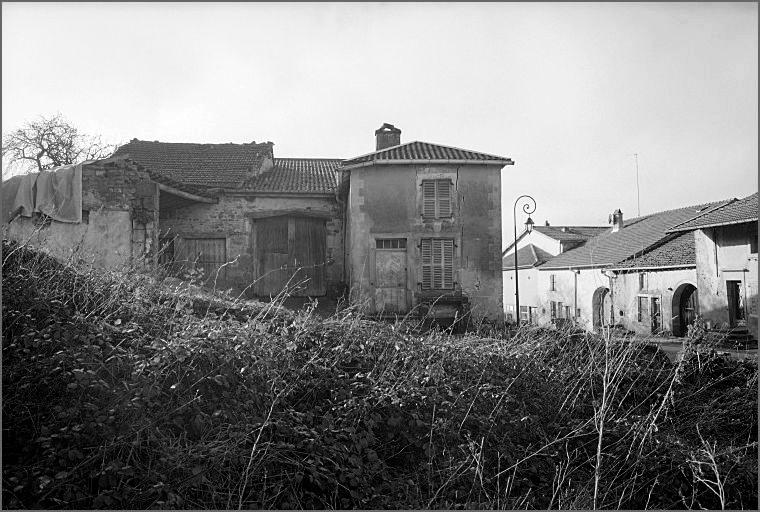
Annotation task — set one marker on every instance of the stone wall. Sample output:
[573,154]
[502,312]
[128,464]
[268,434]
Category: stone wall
[120,219]
[232,219]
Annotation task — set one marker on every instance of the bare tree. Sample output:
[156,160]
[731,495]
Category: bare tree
[48,143]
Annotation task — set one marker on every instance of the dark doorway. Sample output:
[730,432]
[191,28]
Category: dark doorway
[735,296]
[685,308]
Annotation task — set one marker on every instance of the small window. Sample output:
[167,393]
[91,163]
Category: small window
[642,281]
[560,309]
[553,282]
[85,216]
[390,243]
[525,314]
[436,199]
[437,263]
[643,308]
[553,310]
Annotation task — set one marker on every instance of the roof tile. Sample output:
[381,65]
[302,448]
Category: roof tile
[416,150]
[637,235]
[735,212]
[298,175]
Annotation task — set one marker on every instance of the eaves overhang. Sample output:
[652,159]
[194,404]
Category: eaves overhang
[429,161]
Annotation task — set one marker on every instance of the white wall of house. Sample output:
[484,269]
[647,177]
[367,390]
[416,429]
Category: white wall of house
[724,254]
[528,290]
[660,285]
[569,285]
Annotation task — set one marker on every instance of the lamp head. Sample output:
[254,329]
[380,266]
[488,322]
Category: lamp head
[529,225]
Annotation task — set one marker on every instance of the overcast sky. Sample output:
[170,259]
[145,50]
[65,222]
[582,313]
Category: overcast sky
[568,91]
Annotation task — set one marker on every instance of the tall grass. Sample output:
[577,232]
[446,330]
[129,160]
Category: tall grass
[121,393]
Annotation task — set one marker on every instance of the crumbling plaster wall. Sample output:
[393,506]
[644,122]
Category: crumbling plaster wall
[118,229]
[384,201]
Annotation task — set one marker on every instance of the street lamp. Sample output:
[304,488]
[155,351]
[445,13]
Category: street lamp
[528,207]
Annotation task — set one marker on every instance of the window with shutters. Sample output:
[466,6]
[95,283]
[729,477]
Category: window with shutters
[437,263]
[436,199]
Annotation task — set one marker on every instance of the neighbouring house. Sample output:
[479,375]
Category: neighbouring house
[534,248]
[423,225]
[635,275]
[412,228]
[725,241]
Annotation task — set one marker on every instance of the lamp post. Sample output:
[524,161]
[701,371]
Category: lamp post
[528,207]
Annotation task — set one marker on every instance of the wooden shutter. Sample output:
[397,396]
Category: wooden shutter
[447,250]
[426,250]
[437,264]
[443,197]
[428,199]
[436,199]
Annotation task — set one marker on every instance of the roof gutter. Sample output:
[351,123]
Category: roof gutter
[438,161]
[657,267]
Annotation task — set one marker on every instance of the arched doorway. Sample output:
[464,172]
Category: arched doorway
[601,306]
[685,308]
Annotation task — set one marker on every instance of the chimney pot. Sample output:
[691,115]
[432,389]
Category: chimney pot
[617,220]
[387,136]
[546,223]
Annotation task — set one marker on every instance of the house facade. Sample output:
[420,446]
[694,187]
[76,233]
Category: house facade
[533,249]
[423,224]
[725,241]
[635,275]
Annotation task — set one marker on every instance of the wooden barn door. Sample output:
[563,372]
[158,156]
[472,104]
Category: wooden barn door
[205,254]
[290,254]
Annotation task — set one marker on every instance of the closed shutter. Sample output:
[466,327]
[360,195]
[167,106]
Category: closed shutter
[443,197]
[436,199]
[437,264]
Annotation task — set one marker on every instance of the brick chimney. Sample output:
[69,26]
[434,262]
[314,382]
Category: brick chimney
[616,218]
[387,136]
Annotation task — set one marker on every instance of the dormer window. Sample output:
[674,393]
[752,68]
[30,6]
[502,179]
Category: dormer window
[436,199]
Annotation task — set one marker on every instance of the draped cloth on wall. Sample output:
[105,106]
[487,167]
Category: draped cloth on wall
[56,193]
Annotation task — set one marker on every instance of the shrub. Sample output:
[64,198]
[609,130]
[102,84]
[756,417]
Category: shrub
[120,393]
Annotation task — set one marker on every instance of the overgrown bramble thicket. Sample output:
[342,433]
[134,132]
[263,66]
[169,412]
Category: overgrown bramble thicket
[119,394]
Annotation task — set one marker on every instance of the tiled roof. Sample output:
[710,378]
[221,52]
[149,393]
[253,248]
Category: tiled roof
[298,175]
[203,165]
[678,251]
[637,235]
[570,233]
[528,256]
[736,212]
[424,152]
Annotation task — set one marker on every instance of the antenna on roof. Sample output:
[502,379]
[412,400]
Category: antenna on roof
[638,196]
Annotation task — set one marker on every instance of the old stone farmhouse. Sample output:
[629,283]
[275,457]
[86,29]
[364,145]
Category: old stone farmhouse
[412,227]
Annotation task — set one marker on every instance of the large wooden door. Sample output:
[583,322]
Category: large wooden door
[390,277]
[687,308]
[290,256]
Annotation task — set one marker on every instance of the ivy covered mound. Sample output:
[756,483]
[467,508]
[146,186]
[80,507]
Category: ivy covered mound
[120,394]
